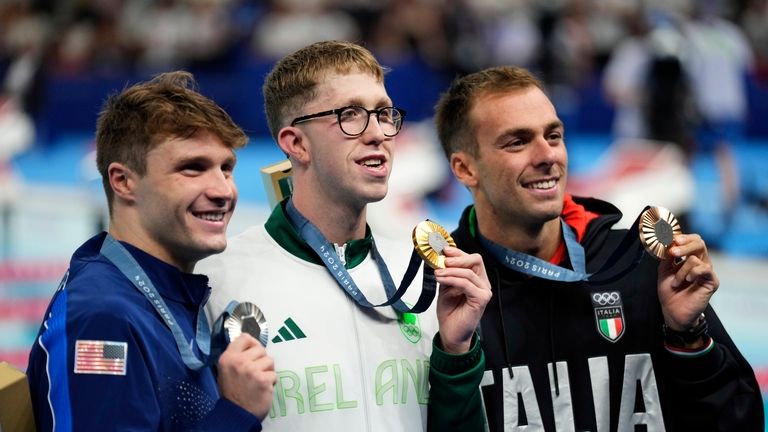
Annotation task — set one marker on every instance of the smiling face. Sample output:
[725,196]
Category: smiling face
[519,173]
[346,170]
[179,210]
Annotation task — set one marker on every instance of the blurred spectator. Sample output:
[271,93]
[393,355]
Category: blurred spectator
[754,21]
[668,112]
[466,40]
[649,87]
[572,46]
[173,33]
[23,44]
[624,79]
[288,25]
[405,28]
[719,60]
[490,32]
[16,135]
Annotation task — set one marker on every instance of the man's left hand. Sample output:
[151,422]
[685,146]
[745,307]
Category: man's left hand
[464,293]
[686,287]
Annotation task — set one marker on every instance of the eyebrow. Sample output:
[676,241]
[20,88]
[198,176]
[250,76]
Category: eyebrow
[383,102]
[556,124]
[203,159]
[520,131]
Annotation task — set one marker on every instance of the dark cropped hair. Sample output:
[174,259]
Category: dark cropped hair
[454,128]
[140,117]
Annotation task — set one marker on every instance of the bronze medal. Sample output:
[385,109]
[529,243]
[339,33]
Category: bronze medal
[429,239]
[246,318]
[658,227]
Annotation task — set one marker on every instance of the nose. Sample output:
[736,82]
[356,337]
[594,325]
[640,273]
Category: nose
[221,188]
[373,133]
[545,152]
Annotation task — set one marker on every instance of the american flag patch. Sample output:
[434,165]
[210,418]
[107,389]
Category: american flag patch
[100,357]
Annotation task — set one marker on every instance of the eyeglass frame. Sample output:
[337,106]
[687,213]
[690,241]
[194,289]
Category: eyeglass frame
[338,112]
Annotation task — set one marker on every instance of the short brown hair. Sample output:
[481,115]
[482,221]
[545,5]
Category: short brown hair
[291,83]
[452,120]
[134,121]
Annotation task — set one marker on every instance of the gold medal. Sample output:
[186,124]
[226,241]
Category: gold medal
[246,318]
[429,239]
[658,227]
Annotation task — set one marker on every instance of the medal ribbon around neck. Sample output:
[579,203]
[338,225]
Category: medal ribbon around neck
[115,252]
[327,253]
[534,266]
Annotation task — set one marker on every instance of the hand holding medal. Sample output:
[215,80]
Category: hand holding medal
[246,373]
[464,287]
[687,282]
[429,239]
[246,318]
[237,318]
[658,228]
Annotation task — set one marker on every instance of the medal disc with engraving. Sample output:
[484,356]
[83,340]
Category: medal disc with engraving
[658,227]
[429,239]
[246,318]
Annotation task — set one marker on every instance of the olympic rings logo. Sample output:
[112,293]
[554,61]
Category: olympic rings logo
[411,330]
[606,298]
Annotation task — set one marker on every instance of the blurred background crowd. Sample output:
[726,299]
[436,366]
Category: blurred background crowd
[569,43]
[693,73]
[665,102]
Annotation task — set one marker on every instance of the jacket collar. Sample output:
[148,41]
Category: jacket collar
[586,213]
[282,231]
[188,289]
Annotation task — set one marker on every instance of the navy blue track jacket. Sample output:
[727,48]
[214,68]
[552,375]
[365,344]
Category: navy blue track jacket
[105,360]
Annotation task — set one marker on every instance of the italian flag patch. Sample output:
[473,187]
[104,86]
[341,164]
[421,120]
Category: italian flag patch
[609,314]
[611,327]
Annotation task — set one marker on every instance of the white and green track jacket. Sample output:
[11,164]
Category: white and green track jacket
[341,367]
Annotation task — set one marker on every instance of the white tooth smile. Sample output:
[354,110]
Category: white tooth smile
[548,184]
[372,162]
[214,217]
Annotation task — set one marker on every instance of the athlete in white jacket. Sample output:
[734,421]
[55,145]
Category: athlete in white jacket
[341,365]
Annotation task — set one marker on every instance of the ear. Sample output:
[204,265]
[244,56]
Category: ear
[463,167]
[122,180]
[294,143]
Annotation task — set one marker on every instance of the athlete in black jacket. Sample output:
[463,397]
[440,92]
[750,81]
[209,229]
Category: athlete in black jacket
[635,346]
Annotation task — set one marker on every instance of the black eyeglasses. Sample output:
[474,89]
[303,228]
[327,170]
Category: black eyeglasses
[353,120]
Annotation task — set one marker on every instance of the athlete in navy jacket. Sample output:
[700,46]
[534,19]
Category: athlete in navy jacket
[123,343]
[570,348]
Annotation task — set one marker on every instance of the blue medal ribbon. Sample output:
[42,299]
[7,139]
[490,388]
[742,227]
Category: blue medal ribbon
[327,253]
[534,266]
[115,252]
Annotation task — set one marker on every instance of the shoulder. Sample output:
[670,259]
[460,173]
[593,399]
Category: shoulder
[253,241]
[98,293]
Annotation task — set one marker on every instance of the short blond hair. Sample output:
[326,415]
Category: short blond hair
[292,82]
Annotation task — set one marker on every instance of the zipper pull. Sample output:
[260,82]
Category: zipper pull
[341,252]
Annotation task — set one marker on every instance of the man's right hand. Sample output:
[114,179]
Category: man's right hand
[247,375]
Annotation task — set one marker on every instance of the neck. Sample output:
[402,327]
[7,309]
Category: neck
[539,239]
[139,239]
[339,223]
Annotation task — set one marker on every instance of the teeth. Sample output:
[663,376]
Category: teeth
[215,217]
[372,162]
[543,184]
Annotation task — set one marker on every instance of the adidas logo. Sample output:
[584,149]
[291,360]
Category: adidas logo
[289,331]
